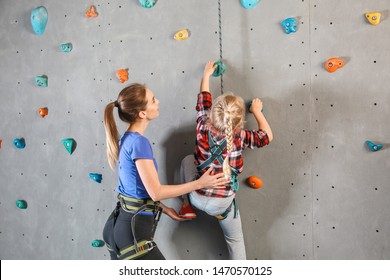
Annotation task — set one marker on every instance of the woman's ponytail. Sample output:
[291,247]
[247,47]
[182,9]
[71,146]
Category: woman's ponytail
[112,135]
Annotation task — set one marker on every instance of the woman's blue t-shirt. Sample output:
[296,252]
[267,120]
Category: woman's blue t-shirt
[133,146]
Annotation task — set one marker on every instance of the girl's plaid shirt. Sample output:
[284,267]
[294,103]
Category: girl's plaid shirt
[242,139]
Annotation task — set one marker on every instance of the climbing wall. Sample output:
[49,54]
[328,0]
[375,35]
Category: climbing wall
[325,193]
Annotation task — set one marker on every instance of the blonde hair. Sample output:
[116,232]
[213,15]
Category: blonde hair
[227,115]
[131,100]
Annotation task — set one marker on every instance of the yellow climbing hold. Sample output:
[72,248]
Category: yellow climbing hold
[182,35]
[374,18]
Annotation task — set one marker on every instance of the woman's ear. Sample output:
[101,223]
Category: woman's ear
[141,114]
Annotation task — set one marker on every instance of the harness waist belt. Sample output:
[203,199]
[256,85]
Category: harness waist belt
[130,204]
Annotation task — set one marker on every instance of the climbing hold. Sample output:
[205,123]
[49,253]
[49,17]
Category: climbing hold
[122,75]
[374,18]
[43,112]
[91,12]
[96,177]
[373,146]
[69,144]
[98,243]
[249,4]
[21,204]
[19,143]
[248,106]
[39,18]
[41,81]
[221,68]
[289,25]
[182,35]
[147,3]
[334,63]
[67,47]
[1,142]
[255,182]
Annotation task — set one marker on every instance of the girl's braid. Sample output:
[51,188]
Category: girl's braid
[229,144]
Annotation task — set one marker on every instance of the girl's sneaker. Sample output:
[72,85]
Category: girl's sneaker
[187,212]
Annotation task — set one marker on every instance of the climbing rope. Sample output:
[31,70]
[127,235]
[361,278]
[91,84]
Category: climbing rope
[220,39]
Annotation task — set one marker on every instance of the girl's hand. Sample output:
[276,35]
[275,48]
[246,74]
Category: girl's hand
[209,69]
[257,106]
[212,181]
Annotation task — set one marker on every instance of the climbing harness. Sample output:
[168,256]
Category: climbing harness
[135,206]
[224,215]
[216,151]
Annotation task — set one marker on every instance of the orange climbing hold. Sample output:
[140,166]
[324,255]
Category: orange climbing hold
[255,182]
[334,63]
[91,12]
[1,141]
[43,112]
[122,75]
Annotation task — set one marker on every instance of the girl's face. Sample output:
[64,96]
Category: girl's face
[151,111]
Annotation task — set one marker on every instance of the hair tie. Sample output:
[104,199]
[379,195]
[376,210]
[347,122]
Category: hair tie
[116,103]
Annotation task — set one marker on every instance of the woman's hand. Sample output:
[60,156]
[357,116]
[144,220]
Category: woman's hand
[172,213]
[212,181]
[257,106]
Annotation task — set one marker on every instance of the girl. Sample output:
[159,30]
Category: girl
[129,230]
[220,140]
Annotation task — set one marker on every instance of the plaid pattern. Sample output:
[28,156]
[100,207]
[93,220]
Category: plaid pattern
[241,140]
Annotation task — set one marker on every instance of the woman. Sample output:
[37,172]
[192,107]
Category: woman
[129,230]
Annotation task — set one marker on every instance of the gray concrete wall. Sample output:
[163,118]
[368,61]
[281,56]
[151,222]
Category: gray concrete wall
[325,195]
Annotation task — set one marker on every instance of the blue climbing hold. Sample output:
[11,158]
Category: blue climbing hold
[39,18]
[373,146]
[19,143]
[21,204]
[41,81]
[96,177]
[147,3]
[98,243]
[67,47]
[289,25]
[249,105]
[249,4]
[69,144]
[221,68]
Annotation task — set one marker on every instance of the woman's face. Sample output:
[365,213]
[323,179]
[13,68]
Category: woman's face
[152,105]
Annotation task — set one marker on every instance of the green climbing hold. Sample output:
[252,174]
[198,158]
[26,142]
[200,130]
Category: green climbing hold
[19,143]
[69,144]
[249,4]
[41,81]
[67,47]
[98,243]
[374,147]
[221,68]
[39,19]
[21,204]
[96,177]
[147,3]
